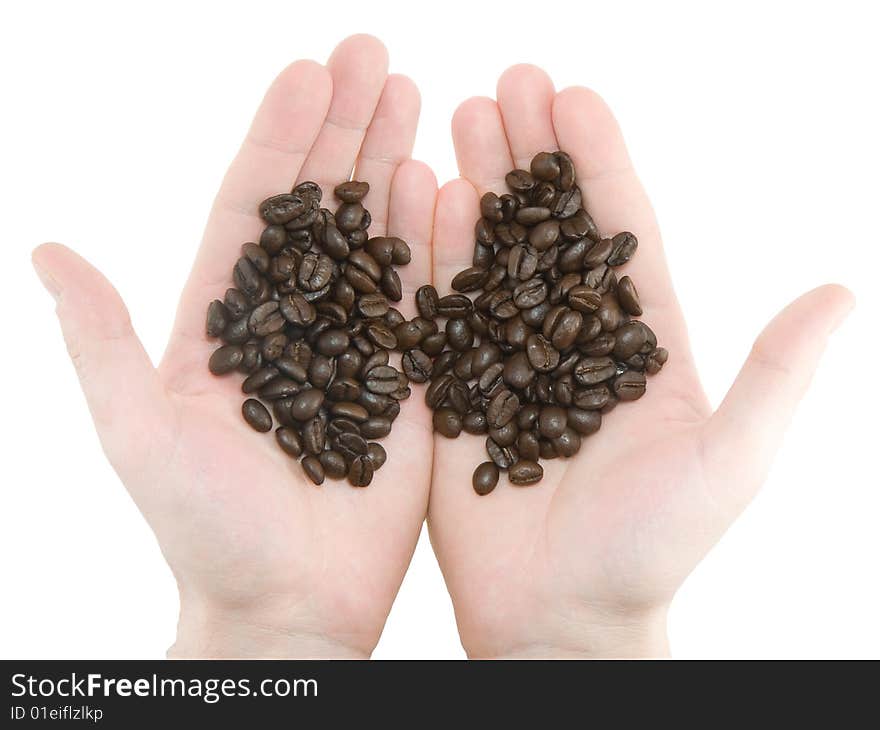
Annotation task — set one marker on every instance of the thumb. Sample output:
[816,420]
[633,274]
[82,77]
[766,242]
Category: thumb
[120,383]
[741,438]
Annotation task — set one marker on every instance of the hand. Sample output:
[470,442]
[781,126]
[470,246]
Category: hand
[586,562]
[266,563]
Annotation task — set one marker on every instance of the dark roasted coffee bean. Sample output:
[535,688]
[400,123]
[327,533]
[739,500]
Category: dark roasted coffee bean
[281,209]
[525,473]
[380,335]
[530,293]
[349,216]
[377,455]
[470,279]
[246,277]
[351,411]
[506,435]
[313,436]
[252,359]
[518,371]
[217,319]
[321,371]
[629,339]
[602,278]
[265,320]
[314,272]
[433,345]
[459,335]
[273,239]
[592,398]
[259,379]
[628,297]
[528,446]
[256,415]
[625,245]
[572,258]
[280,388]
[502,408]
[490,207]
[382,379]
[332,342]
[610,315]
[297,310]
[454,306]
[272,346]
[584,299]
[288,439]
[360,473]
[225,359]
[236,332]
[427,301]
[352,191]
[306,404]
[373,305]
[597,253]
[582,421]
[541,354]
[333,463]
[544,235]
[447,422]
[551,421]
[485,478]
[629,385]
[655,360]
[236,304]
[532,215]
[520,181]
[376,427]
[343,389]
[313,469]
[522,262]
[391,285]
[417,366]
[528,416]
[602,344]
[568,443]
[593,370]
[545,166]
[474,422]
[503,456]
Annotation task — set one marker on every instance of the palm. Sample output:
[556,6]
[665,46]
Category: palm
[248,538]
[610,533]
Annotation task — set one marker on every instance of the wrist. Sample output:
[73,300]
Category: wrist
[604,636]
[206,633]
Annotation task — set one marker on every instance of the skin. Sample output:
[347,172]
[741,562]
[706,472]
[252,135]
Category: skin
[583,564]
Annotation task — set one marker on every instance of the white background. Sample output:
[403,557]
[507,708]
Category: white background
[754,128]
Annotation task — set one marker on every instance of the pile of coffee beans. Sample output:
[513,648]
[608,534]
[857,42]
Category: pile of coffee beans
[548,344]
[310,323]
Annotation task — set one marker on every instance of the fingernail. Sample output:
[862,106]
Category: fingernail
[48,281]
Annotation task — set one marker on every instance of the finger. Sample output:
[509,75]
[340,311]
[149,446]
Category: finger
[525,98]
[614,197]
[742,436]
[268,162]
[458,208]
[481,144]
[389,141]
[411,217]
[121,386]
[359,67]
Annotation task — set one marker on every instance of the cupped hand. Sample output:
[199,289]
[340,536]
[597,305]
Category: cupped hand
[266,563]
[586,562]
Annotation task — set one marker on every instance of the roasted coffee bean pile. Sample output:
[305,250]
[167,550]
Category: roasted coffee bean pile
[309,322]
[548,345]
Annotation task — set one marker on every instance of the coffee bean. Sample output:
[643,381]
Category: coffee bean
[289,440]
[625,245]
[333,463]
[459,335]
[474,422]
[584,299]
[417,366]
[281,209]
[256,415]
[629,339]
[377,455]
[470,279]
[630,385]
[568,443]
[551,421]
[306,404]
[381,379]
[313,469]
[542,356]
[351,192]
[485,478]
[313,436]
[525,473]
[447,422]
[502,456]
[628,297]
[583,421]
[259,379]
[252,359]
[360,473]
[280,388]
[225,359]
[502,408]
[530,293]
[593,370]
[391,285]
[655,360]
